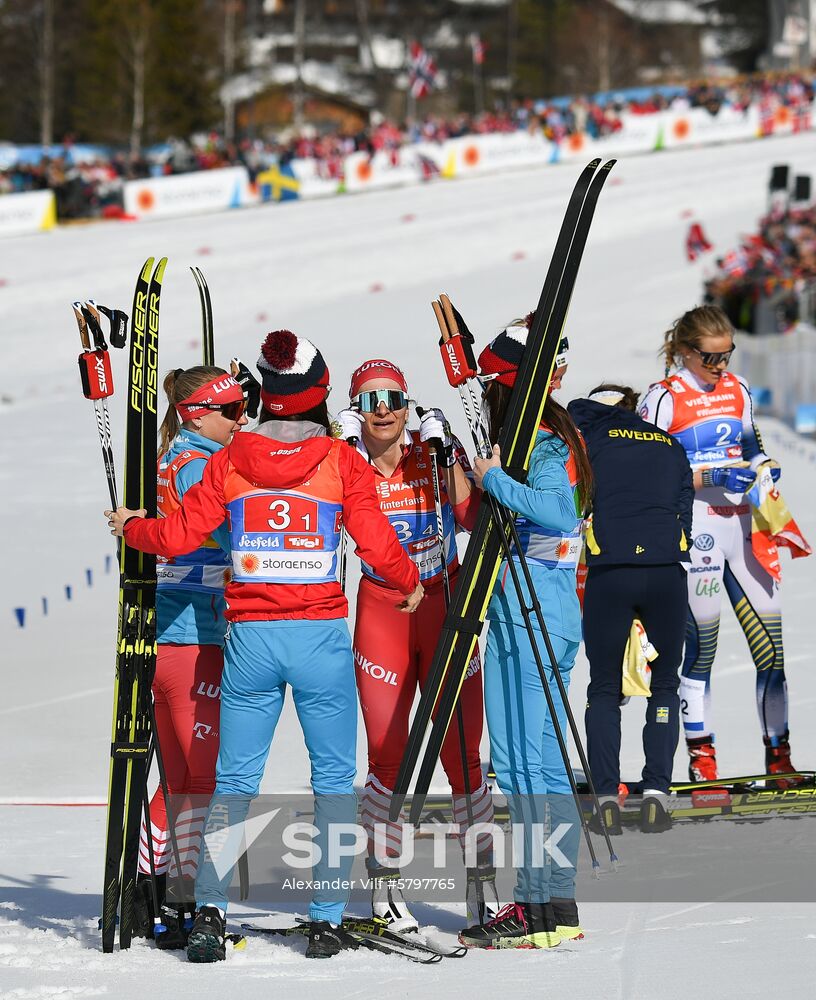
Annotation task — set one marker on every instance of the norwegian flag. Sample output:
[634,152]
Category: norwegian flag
[478,48]
[422,72]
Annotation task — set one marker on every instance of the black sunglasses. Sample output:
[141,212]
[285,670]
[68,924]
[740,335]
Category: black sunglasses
[230,411]
[712,358]
[368,402]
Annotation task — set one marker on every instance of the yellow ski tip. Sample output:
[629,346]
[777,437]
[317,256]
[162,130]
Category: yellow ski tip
[158,274]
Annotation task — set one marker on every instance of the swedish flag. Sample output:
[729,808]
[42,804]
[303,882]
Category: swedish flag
[279,183]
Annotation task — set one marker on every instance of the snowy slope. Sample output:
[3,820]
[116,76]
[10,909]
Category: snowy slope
[312,267]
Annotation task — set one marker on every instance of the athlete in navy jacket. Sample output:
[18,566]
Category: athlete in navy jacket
[636,543]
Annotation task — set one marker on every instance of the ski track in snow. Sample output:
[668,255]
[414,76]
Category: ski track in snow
[310,267]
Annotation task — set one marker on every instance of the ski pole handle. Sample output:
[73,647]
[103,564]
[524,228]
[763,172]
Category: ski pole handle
[435,446]
[455,346]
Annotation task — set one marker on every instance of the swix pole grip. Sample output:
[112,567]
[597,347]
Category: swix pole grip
[95,372]
[457,356]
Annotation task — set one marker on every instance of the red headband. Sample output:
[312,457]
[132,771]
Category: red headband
[376,369]
[222,389]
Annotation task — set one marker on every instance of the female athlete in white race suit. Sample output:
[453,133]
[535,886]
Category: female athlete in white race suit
[709,410]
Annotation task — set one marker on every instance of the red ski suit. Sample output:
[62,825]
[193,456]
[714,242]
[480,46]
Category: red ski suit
[393,652]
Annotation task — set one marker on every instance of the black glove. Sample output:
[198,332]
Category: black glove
[251,386]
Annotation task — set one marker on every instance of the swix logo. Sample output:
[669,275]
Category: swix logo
[453,360]
[303,542]
[375,670]
[101,377]
[201,730]
[208,691]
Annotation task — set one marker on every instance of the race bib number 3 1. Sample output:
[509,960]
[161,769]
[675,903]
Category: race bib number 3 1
[284,538]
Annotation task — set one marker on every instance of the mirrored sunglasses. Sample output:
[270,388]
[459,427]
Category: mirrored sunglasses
[712,358]
[368,402]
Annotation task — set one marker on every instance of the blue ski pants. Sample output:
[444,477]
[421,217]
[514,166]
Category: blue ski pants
[260,659]
[528,763]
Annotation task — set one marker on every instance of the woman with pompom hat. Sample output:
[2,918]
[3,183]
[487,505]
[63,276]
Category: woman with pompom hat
[287,489]
[524,750]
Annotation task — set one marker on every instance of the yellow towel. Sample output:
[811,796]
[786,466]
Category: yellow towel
[637,674]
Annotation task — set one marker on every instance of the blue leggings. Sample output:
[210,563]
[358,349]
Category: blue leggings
[260,659]
[529,768]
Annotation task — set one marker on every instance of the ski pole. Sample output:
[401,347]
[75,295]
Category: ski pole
[434,448]
[97,384]
[536,608]
[460,365]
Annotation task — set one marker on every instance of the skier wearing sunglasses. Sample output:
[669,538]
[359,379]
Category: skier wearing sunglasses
[393,653]
[709,410]
[206,410]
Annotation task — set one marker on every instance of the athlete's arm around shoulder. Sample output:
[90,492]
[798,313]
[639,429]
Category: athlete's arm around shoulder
[201,512]
[376,541]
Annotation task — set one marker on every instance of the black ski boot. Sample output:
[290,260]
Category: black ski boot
[481,898]
[176,925]
[517,925]
[326,940]
[207,937]
[611,815]
[654,814]
[567,925]
[143,912]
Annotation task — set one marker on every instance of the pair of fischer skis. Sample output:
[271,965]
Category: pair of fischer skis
[494,535]
[133,738]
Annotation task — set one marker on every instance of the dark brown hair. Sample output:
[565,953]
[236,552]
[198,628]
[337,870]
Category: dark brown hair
[318,415]
[630,397]
[556,419]
[178,385]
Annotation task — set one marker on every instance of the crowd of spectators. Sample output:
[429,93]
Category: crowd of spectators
[760,284]
[91,185]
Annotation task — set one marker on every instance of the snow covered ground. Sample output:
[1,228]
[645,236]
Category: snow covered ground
[356,275]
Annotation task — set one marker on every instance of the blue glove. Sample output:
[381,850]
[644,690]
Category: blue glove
[731,480]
